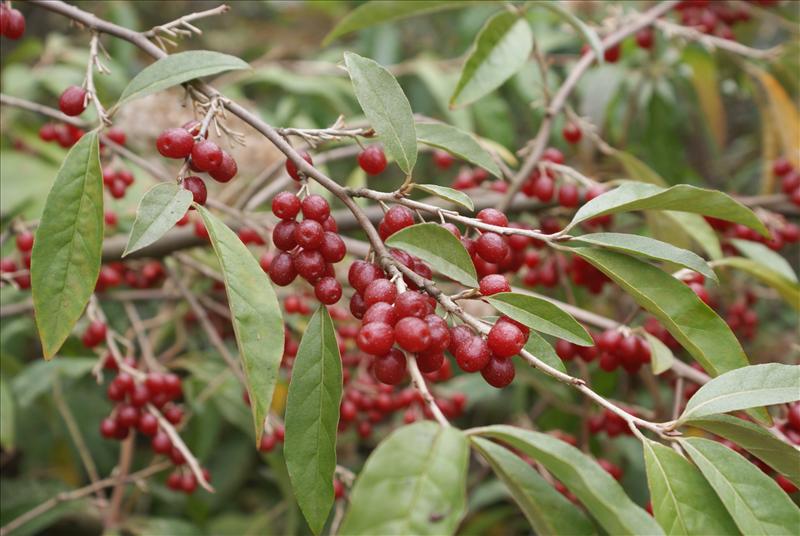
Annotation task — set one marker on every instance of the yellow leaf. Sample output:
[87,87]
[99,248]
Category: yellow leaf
[704,80]
[783,115]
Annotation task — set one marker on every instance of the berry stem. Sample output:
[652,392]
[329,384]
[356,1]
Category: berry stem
[178,443]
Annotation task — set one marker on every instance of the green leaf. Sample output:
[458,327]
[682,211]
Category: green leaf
[458,143]
[540,348]
[754,500]
[449,194]
[683,502]
[179,68]
[547,510]
[377,12]
[693,323]
[7,416]
[501,48]
[588,33]
[38,377]
[159,210]
[256,316]
[541,315]
[695,227]
[413,483]
[637,170]
[683,198]
[591,484]
[747,387]
[66,255]
[386,107]
[661,357]
[312,416]
[788,290]
[438,247]
[650,248]
[756,440]
[765,257]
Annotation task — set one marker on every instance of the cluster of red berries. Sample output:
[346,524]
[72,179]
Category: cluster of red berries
[20,273]
[742,318]
[12,22]
[715,18]
[202,155]
[790,179]
[308,248]
[612,349]
[141,275]
[270,439]
[781,231]
[609,422]
[117,181]
[64,134]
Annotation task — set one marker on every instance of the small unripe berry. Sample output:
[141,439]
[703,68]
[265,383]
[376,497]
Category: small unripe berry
[372,160]
[72,101]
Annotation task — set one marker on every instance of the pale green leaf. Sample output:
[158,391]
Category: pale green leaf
[458,143]
[661,357]
[765,257]
[540,315]
[37,378]
[788,290]
[540,348]
[588,33]
[159,210]
[449,194]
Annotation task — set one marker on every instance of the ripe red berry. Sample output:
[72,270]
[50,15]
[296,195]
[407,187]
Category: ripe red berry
[48,132]
[309,234]
[283,235]
[396,218]
[491,247]
[412,334]
[551,154]
[644,38]
[175,143]
[411,303]
[226,170]
[73,101]
[544,188]
[161,443]
[108,428]
[12,23]
[390,368]
[286,205]
[117,135]
[493,284]
[188,483]
[206,155]
[380,290]
[315,207]
[328,290]
[333,248]
[493,217]
[148,424]
[174,414]
[361,274]
[443,159]
[196,185]
[505,339]
[372,160]
[25,241]
[375,338]
[338,489]
[291,168]
[568,195]
[127,416]
[565,350]
[281,270]
[612,54]
[498,372]
[471,354]
[380,312]
[781,167]
[793,417]
[267,443]
[572,133]
[310,265]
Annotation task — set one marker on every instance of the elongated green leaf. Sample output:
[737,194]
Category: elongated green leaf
[449,194]
[747,387]
[683,198]
[765,257]
[413,483]
[457,142]
[695,227]
[256,316]
[593,486]
[65,262]
[386,107]
[7,416]
[547,510]
[650,248]
[788,290]
[693,323]
[378,11]
[756,440]
[179,68]
[312,416]
[37,378]
[438,247]
[661,357]
[754,500]
[541,315]
[637,170]
[540,348]
[500,50]
[683,502]
[159,210]
[588,33]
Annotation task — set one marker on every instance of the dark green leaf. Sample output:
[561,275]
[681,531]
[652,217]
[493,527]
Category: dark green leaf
[438,247]
[754,500]
[458,143]
[541,315]
[661,357]
[788,290]
[650,248]
[756,440]
[159,210]
[588,33]
[7,416]
[683,198]
[69,240]
[378,11]
[312,416]
[179,68]
[693,323]
[540,348]
[547,510]
[743,388]
[591,484]
[255,313]
[500,50]
[765,257]
[413,483]
[683,502]
[447,193]
[386,107]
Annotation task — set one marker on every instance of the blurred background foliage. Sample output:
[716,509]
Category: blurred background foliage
[692,115]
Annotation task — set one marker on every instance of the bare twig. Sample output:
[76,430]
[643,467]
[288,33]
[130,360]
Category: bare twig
[178,443]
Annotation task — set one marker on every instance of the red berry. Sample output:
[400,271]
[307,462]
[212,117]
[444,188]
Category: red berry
[565,350]
[380,290]
[338,489]
[442,159]
[310,265]
[430,361]
[644,38]
[155,383]
[174,414]
[174,481]
[498,372]
[226,170]
[493,284]
[572,133]
[281,270]
[505,339]
[286,205]
[390,368]
[492,247]
[267,443]
[543,188]
[291,168]
[333,248]
[781,167]
[328,290]
[361,274]
[127,416]
[196,185]
[148,424]
[610,340]
[25,241]
[471,354]
[309,234]
[493,217]
[612,54]
[375,338]
[380,312]
[73,101]
[283,235]
[551,154]
[372,160]
[396,218]
[117,135]
[108,428]
[568,195]
[793,417]
[315,207]
[139,395]
[785,484]
[188,483]
[48,132]
[412,334]
[13,23]
[175,143]
[161,443]
[206,155]
[411,303]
